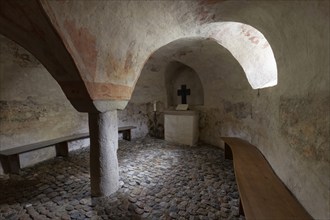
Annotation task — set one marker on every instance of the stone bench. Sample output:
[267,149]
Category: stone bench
[262,193]
[10,158]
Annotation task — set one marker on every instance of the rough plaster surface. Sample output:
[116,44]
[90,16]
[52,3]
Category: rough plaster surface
[250,48]
[304,130]
[104,63]
[289,123]
[111,59]
[280,120]
[32,105]
[26,23]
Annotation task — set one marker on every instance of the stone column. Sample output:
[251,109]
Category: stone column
[103,128]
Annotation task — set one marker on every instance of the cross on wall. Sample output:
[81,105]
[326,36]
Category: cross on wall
[183,92]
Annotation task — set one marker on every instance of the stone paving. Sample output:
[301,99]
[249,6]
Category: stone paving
[158,180]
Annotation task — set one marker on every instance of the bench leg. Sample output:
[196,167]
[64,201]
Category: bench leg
[127,135]
[11,164]
[228,153]
[62,149]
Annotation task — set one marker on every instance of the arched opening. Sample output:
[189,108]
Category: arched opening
[177,75]
[219,74]
[228,58]
[224,53]
[225,40]
[249,47]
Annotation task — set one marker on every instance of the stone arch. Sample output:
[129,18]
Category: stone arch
[151,84]
[249,47]
[245,43]
[27,24]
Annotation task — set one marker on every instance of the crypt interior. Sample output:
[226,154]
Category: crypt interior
[256,70]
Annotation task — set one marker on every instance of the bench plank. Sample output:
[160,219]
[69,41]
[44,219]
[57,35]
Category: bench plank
[126,130]
[10,158]
[43,144]
[262,193]
[36,146]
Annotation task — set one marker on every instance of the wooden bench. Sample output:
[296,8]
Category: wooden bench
[10,158]
[262,193]
[126,132]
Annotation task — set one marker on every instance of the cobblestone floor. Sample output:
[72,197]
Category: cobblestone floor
[158,180]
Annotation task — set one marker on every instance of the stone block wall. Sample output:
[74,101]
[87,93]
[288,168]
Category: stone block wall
[143,117]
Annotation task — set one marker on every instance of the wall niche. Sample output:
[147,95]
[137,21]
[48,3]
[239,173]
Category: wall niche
[178,74]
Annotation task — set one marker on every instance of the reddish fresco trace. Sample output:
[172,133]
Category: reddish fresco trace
[101,91]
[85,44]
[249,33]
[254,40]
[204,15]
[129,57]
[266,44]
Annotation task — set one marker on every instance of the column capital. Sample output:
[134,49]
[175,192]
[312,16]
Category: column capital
[109,105]
[97,106]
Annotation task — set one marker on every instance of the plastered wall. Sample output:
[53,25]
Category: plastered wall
[33,107]
[289,123]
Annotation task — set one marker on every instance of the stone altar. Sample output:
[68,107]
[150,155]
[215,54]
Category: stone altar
[181,127]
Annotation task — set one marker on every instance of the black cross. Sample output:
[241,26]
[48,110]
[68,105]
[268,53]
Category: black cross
[183,92]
